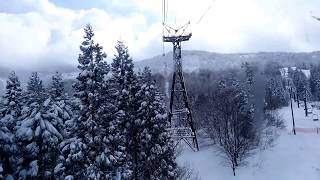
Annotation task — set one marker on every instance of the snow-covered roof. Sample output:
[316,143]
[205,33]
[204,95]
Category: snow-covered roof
[284,72]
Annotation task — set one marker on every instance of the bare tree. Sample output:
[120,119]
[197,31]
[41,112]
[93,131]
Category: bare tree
[231,123]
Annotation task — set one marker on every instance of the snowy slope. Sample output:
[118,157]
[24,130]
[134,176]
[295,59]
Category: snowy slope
[306,72]
[294,157]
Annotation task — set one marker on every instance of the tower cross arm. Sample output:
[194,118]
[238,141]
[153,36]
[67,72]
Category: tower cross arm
[176,38]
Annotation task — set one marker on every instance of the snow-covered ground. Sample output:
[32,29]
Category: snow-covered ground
[293,157]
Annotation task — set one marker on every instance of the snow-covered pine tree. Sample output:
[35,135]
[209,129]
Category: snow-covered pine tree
[8,119]
[7,150]
[124,87]
[35,90]
[315,81]
[93,150]
[275,93]
[312,79]
[250,73]
[56,87]
[123,80]
[61,104]
[12,97]
[60,109]
[38,134]
[302,85]
[249,83]
[151,140]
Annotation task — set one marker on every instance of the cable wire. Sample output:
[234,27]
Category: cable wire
[206,11]
[163,23]
[166,10]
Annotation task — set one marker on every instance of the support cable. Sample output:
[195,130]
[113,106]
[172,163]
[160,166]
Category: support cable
[163,23]
[205,12]
[166,10]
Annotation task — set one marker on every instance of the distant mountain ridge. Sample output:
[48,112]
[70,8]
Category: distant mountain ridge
[192,61]
[195,60]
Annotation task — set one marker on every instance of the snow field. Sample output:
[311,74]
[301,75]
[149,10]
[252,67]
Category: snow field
[292,157]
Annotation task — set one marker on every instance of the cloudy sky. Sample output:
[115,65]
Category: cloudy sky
[42,32]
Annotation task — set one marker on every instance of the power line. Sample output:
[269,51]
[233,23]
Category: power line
[165,6]
[206,11]
[166,10]
[201,17]
[163,23]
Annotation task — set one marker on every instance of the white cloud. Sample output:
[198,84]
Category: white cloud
[37,32]
[47,34]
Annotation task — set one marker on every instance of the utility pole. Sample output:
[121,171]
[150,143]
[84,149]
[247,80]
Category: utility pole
[305,106]
[298,100]
[293,124]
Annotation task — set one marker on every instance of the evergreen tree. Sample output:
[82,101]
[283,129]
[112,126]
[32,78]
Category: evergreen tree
[151,140]
[10,114]
[12,98]
[275,92]
[123,80]
[7,150]
[276,95]
[92,151]
[302,86]
[60,107]
[35,90]
[315,81]
[56,87]
[38,134]
[61,104]
[249,83]
[124,87]
[143,122]
[249,71]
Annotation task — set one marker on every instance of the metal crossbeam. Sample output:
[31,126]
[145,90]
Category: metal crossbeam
[183,132]
[176,38]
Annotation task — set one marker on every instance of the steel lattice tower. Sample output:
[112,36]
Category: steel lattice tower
[180,116]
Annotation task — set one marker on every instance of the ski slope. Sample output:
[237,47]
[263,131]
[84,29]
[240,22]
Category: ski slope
[293,157]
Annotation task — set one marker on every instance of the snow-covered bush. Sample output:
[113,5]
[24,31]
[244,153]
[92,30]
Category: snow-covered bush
[186,173]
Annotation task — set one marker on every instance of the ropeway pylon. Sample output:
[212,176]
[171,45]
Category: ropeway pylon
[180,116]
